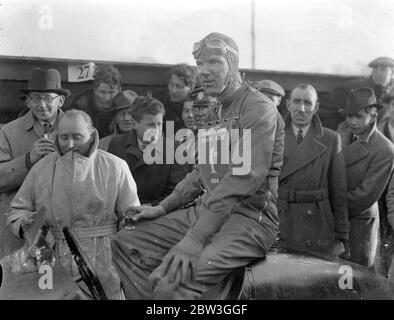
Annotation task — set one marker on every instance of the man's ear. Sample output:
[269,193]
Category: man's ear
[27,103]
[288,105]
[317,106]
[62,99]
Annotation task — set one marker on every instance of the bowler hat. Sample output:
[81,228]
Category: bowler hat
[123,100]
[45,81]
[360,98]
[269,86]
[382,61]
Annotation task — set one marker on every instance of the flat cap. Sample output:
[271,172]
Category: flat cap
[382,61]
[270,86]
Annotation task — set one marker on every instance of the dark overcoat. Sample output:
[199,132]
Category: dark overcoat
[312,190]
[369,164]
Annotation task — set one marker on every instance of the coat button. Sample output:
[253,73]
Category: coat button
[308,243]
[96,218]
[311,184]
[309,212]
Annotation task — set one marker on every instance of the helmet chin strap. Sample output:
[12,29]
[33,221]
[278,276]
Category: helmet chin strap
[230,87]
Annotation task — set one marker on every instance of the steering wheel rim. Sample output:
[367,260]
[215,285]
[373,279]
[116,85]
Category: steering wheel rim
[85,268]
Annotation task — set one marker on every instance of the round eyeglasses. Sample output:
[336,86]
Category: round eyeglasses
[36,98]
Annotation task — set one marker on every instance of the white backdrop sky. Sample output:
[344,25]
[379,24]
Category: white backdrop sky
[325,36]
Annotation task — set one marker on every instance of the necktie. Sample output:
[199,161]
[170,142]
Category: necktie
[47,127]
[300,137]
[354,138]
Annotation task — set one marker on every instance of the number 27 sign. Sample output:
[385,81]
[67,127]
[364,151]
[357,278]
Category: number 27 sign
[81,72]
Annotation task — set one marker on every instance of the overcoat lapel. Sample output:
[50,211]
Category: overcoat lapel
[300,156]
[353,151]
[134,151]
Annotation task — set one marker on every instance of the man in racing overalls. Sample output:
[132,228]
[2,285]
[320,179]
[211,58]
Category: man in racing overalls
[180,254]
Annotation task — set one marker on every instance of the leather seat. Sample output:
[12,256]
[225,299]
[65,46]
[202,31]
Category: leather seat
[294,275]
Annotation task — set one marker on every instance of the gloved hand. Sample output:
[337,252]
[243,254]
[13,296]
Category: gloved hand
[346,253]
[337,249]
[183,257]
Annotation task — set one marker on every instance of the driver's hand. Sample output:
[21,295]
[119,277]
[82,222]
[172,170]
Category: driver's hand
[41,148]
[145,212]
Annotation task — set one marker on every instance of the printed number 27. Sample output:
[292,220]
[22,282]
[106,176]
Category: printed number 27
[83,72]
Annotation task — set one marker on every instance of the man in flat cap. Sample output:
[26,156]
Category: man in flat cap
[271,89]
[380,80]
[24,141]
[369,158]
[181,254]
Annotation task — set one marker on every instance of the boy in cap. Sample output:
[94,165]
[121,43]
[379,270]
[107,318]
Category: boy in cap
[24,141]
[181,254]
[369,158]
[273,91]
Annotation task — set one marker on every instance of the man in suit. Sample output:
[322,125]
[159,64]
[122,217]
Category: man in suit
[154,181]
[26,140]
[369,158]
[312,185]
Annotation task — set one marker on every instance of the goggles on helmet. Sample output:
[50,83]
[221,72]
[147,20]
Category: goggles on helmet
[213,44]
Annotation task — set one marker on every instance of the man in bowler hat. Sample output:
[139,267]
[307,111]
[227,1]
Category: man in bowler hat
[24,141]
[369,162]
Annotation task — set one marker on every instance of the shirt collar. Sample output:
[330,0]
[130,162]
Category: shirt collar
[304,129]
[29,120]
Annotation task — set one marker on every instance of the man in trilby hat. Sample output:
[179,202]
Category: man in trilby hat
[24,141]
[120,112]
[369,159]
[380,81]
[182,253]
